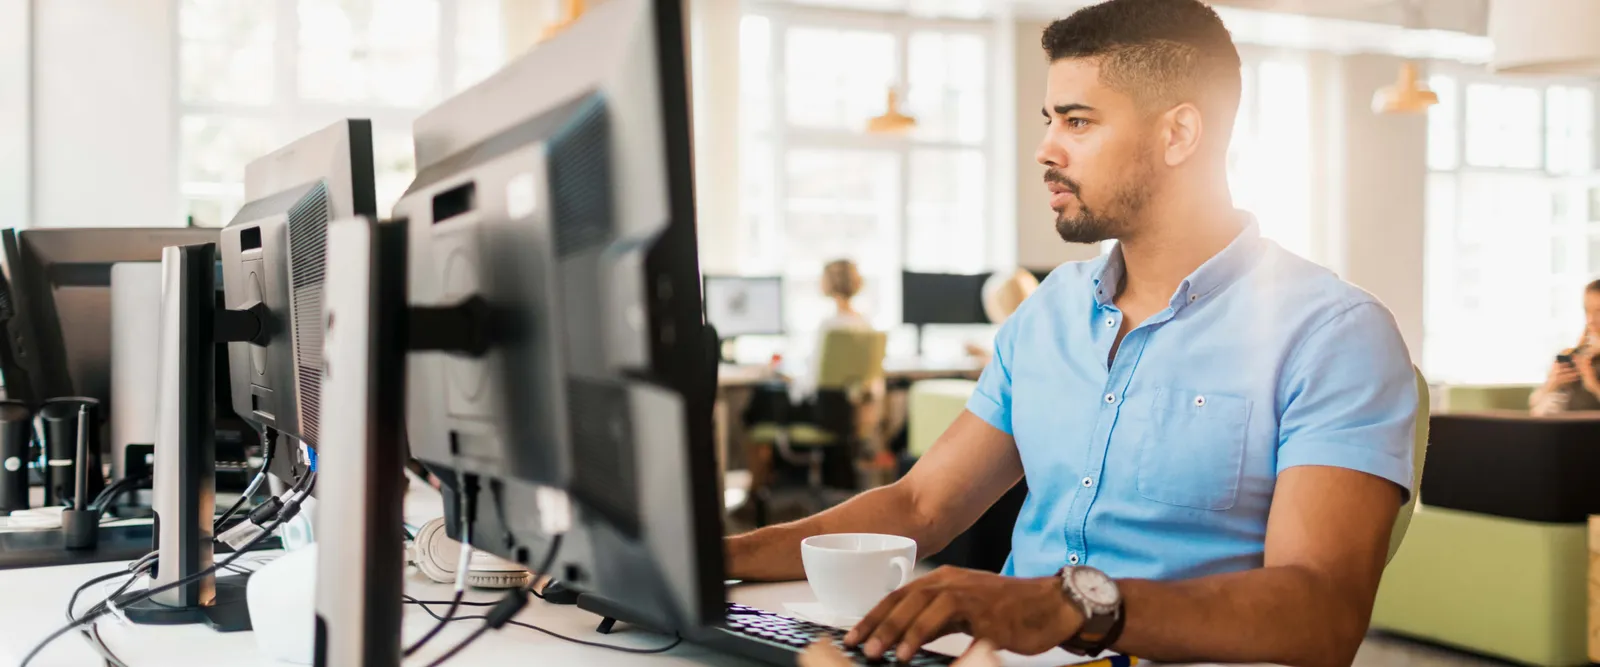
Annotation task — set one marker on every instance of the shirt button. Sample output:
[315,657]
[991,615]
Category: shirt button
[1088,482]
[1111,321]
[1111,398]
[1192,297]
[1199,401]
[1072,558]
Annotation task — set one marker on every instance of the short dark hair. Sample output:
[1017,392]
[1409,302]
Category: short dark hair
[1593,287]
[1160,52]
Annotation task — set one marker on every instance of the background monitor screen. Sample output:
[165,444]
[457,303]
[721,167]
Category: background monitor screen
[744,306]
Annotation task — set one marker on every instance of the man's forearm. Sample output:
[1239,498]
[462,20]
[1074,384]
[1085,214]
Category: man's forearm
[1282,615]
[773,553]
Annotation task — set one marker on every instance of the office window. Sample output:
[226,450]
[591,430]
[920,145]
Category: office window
[1269,159]
[816,186]
[1513,225]
[256,75]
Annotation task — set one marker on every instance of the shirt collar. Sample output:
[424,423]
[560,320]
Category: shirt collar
[1216,273]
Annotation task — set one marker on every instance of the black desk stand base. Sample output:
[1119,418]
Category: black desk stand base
[611,613]
[229,612]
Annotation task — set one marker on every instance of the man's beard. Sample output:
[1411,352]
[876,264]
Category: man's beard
[1088,226]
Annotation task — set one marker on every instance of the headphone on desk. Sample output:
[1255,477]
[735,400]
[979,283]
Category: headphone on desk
[435,554]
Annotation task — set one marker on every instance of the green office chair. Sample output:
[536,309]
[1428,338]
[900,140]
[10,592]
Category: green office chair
[851,366]
[1419,452]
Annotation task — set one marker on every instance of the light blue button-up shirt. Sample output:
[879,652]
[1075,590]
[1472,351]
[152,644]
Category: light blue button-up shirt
[1161,463]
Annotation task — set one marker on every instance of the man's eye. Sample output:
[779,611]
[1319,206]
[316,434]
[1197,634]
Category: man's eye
[1077,123]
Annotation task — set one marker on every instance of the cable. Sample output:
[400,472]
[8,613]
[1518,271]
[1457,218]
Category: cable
[459,647]
[503,612]
[288,512]
[678,639]
[411,600]
[93,634]
[468,505]
[269,441]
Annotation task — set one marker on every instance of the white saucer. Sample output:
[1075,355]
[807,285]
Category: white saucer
[816,613]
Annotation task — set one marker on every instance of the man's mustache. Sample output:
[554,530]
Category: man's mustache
[1053,176]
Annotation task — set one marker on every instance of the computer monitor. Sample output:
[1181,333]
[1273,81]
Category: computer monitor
[272,254]
[59,288]
[744,305]
[559,193]
[942,298]
[60,342]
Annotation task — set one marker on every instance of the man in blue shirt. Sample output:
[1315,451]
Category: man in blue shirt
[1216,434]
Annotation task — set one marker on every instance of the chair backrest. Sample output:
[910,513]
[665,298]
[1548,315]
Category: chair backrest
[851,359]
[1419,453]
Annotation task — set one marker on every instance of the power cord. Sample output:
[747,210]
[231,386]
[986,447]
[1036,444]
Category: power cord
[678,639]
[94,639]
[269,442]
[467,503]
[497,618]
[138,569]
[503,612]
[288,512]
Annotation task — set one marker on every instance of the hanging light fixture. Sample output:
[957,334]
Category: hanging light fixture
[571,11]
[1545,36]
[1406,95]
[892,121]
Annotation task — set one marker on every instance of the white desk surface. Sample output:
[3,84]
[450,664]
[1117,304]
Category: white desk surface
[33,604]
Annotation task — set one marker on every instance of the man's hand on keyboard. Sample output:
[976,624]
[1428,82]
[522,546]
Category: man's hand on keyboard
[1028,616]
[823,654]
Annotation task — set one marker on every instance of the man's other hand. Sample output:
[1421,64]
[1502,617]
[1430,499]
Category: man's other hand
[823,654]
[1028,616]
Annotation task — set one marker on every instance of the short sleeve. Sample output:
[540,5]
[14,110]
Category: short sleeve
[991,401]
[1351,398]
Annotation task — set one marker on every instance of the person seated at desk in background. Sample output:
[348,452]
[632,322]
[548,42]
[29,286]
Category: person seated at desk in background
[1217,435]
[841,282]
[1572,384]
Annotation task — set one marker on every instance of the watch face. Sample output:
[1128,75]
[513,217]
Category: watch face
[1095,587]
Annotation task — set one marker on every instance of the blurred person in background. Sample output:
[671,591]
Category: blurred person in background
[841,282]
[1572,384]
[1003,293]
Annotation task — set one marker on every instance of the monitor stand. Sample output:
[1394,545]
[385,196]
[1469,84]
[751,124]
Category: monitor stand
[359,559]
[611,613]
[184,478]
[228,611]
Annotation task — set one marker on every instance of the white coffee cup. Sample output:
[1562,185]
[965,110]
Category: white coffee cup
[851,572]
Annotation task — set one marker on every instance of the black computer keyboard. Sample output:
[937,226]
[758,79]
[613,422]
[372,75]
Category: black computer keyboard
[776,639]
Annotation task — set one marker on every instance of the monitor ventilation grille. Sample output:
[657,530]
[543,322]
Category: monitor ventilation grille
[580,179]
[604,475]
[308,241]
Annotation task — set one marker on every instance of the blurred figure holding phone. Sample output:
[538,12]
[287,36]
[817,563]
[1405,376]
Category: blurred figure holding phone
[1572,385]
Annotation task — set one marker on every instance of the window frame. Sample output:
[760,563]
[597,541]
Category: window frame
[783,139]
[1444,312]
[288,110]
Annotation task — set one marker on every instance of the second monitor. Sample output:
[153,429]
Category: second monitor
[272,258]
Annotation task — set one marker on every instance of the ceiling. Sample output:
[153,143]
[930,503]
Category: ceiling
[1465,16]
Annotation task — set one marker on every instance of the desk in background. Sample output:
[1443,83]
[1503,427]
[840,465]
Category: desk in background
[735,384]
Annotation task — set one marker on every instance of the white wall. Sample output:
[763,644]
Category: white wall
[1379,197]
[1038,245]
[104,114]
[14,108]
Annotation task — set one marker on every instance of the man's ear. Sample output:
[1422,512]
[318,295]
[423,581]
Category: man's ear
[1181,131]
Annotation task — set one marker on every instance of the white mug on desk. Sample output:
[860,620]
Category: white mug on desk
[851,572]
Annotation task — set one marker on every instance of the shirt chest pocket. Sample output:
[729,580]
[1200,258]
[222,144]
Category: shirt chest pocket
[1194,455]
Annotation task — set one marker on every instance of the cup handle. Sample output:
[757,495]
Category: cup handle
[904,565]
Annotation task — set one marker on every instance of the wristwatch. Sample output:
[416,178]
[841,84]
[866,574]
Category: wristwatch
[1097,596]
